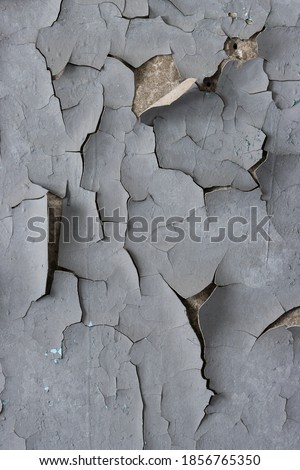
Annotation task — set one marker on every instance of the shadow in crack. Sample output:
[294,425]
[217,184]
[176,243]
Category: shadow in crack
[54,220]
[193,304]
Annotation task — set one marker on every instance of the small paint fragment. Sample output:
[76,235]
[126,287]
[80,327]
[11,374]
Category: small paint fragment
[46,389]
[55,361]
[59,351]
[53,351]
[232,15]
[296,101]
[90,324]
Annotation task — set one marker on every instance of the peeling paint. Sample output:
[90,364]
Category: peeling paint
[158,344]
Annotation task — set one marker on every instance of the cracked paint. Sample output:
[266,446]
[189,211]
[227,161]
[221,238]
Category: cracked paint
[157,344]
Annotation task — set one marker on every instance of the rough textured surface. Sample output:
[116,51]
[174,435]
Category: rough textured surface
[149,340]
[250,383]
[153,80]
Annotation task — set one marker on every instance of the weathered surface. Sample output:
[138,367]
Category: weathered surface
[106,331]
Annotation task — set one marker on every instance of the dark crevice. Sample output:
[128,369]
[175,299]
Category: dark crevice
[54,225]
[216,188]
[143,402]
[253,169]
[123,61]
[287,319]
[210,83]
[85,142]
[193,304]
[58,14]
